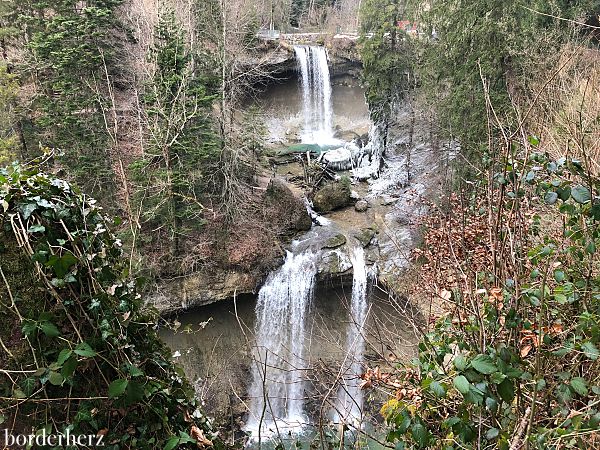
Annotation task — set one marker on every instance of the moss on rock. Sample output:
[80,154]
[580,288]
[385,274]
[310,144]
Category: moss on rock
[365,236]
[332,196]
[335,241]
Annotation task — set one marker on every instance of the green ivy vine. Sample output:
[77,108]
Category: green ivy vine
[80,352]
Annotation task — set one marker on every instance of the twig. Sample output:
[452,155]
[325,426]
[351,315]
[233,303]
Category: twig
[518,436]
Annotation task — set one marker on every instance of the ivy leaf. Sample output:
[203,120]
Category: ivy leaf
[172,443]
[36,229]
[462,384]
[506,390]
[134,371]
[484,364]
[460,362]
[581,194]
[590,350]
[63,356]
[61,264]
[437,388]
[579,385]
[55,378]
[18,393]
[403,422]
[69,367]
[117,388]
[491,404]
[420,434]
[27,209]
[497,377]
[134,392]
[29,328]
[49,329]
[28,385]
[492,434]
[551,197]
[564,193]
[84,350]
[185,438]
[451,422]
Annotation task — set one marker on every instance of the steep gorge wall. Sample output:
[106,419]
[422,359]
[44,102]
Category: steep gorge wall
[278,57]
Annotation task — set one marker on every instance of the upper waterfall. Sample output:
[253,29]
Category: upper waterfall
[277,390]
[316,95]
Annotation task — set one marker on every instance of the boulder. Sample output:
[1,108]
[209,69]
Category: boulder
[331,197]
[285,209]
[365,236]
[335,241]
[361,206]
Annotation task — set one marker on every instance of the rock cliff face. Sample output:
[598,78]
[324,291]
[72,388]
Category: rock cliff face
[251,254]
[200,289]
[277,56]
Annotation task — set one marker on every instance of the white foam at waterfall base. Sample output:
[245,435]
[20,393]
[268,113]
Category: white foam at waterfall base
[277,396]
[350,397]
[316,95]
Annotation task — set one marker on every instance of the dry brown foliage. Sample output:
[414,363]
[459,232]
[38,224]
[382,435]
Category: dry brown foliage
[567,113]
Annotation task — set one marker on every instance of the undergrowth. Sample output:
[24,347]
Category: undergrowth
[513,361]
[78,350]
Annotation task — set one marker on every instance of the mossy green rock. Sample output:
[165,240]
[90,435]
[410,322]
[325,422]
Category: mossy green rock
[331,197]
[336,241]
[365,236]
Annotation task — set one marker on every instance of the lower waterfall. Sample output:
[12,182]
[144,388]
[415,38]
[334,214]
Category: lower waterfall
[277,389]
[350,397]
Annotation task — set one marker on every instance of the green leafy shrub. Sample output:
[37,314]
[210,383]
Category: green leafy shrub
[516,360]
[76,329]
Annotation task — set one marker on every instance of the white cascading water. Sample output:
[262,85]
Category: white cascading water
[277,396]
[316,95]
[370,161]
[350,397]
